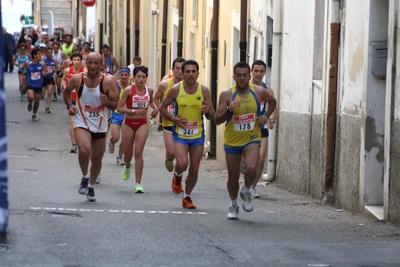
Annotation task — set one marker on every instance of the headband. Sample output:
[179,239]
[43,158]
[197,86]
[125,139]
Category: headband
[124,70]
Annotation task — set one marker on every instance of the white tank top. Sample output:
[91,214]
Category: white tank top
[90,114]
[58,56]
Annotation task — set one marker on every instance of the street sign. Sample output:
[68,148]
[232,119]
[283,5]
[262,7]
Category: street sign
[88,3]
[29,19]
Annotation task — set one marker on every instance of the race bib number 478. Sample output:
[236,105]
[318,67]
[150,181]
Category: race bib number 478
[244,122]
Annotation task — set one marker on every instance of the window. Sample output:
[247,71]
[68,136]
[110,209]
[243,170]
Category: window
[194,12]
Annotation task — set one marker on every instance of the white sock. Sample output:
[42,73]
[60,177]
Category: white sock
[90,186]
[185,195]
[235,203]
[86,176]
[245,189]
[179,175]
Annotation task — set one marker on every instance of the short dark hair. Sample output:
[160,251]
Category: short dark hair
[35,51]
[137,58]
[241,65]
[105,46]
[75,54]
[189,62]
[142,68]
[68,35]
[179,60]
[258,62]
[86,43]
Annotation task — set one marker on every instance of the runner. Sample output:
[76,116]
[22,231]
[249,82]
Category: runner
[35,72]
[48,80]
[112,65]
[137,61]
[20,58]
[86,50]
[76,68]
[68,47]
[239,107]
[94,92]
[59,57]
[118,118]
[134,103]
[192,101]
[161,93]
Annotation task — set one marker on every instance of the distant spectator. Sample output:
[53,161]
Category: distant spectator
[37,35]
[56,37]
[8,51]
[78,44]
[25,34]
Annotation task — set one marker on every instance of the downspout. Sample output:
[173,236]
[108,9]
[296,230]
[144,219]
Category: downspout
[243,31]
[179,44]
[214,76]
[331,112]
[137,29]
[128,32]
[163,50]
[164,40]
[275,85]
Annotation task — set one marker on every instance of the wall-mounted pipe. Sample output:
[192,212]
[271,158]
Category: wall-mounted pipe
[179,44]
[243,31]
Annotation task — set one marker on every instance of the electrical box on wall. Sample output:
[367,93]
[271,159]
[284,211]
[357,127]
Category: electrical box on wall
[379,59]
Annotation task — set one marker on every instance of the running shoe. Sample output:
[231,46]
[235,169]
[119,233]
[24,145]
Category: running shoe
[176,184]
[59,91]
[169,164]
[98,179]
[111,147]
[233,213]
[47,110]
[22,98]
[74,148]
[54,97]
[247,205]
[42,97]
[90,195]
[187,203]
[126,173]
[138,188]
[29,108]
[83,186]
[120,162]
[34,117]
[253,192]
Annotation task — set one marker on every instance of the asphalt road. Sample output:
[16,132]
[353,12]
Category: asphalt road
[50,224]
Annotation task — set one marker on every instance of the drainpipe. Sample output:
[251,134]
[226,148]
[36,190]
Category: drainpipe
[243,31]
[275,85]
[128,32]
[153,59]
[163,51]
[331,112]
[179,44]
[164,40]
[214,76]
[137,30]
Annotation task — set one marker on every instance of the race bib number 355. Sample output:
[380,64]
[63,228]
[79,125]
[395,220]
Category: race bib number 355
[244,122]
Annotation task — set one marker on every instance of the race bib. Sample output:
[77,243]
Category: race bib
[189,129]
[107,68]
[35,76]
[244,122]
[140,101]
[171,109]
[50,69]
[93,112]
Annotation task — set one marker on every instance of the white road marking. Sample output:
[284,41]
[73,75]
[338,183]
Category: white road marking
[122,211]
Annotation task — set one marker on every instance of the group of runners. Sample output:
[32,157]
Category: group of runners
[99,104]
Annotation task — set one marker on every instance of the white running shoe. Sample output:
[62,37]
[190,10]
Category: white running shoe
[233,213]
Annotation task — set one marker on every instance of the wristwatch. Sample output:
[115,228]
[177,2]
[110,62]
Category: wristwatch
[227,110]
[133,111]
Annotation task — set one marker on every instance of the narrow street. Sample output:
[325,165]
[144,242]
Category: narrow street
[50,224]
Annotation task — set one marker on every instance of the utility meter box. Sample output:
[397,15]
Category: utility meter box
[379,59]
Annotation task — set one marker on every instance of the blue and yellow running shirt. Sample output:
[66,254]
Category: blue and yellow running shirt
[241,126]
[189,107]
[170,108]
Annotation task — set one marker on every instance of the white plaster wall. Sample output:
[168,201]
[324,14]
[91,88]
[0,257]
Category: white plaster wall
[354,42]
[297,56]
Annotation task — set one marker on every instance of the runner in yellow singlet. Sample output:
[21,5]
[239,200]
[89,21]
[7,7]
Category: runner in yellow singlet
[160,94]
[192,101]
[239,107]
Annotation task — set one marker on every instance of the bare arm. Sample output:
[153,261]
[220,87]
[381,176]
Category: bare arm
[225,99]
[64,80]
[110,98]
[122,100]
[159,93]
[168,100]
[73,83]
[267,97]
[116,65]
[207,107]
